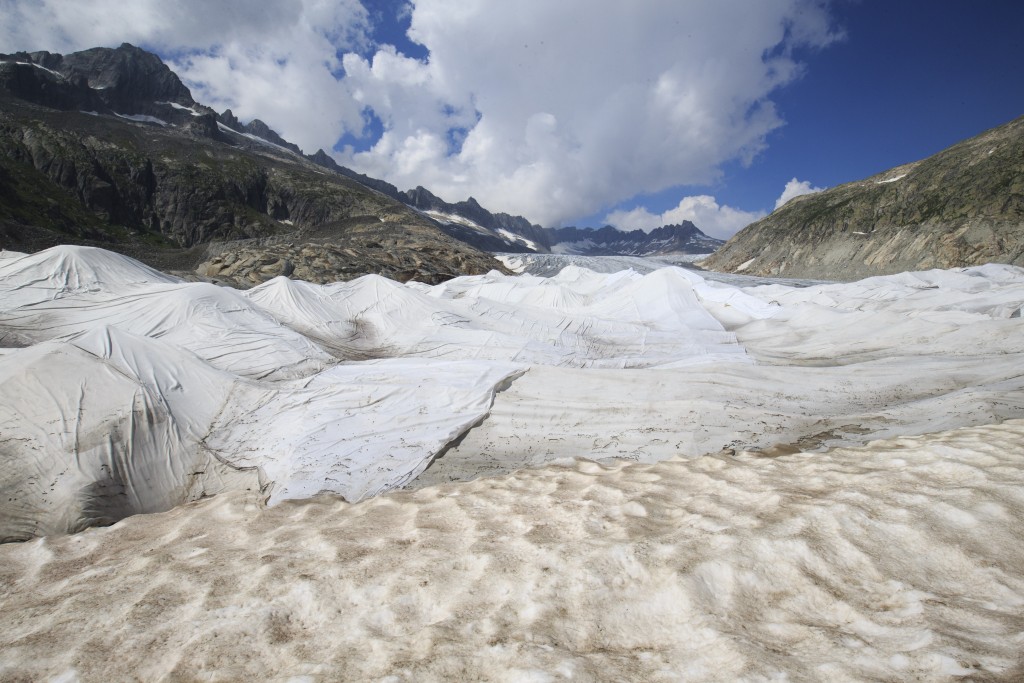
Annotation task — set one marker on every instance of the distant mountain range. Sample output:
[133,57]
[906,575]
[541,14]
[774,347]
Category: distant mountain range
[963,206]
[108,147]
[500,232]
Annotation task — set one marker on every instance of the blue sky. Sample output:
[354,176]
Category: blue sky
[585,112]
[910,78]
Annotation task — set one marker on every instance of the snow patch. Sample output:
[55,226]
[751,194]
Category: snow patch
[517,239]
[891,180]
[449,218]
[142,118]
[40,66]
[255,138]
[513,262]
[802,567]
[182,107]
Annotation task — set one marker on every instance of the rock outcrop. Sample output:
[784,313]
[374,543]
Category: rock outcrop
[963,206]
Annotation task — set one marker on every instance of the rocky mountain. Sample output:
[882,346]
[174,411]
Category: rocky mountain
[963,206]
[501,232]
[472,223]
[469,222]
[257,129]
[128,81]
[684,238]
[465,221]
[107,147]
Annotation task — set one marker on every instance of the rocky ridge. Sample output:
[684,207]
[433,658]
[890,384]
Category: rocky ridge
[963,206]
[684,238]
[470,222]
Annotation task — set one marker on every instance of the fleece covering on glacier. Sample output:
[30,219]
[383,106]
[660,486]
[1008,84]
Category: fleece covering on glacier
[127,391]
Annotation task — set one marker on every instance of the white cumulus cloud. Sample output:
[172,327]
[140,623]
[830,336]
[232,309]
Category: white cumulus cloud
[795,188]
[704,211]
[571,106]
[552,110]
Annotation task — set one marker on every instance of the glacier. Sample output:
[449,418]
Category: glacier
[652,473]
[122,383]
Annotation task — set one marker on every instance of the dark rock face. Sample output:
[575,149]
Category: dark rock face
[22,79]
[126,80]
[684,238]
[124,77]
[165,183]
[963,206]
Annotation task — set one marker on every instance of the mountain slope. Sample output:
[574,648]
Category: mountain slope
[963,206]
[107,147]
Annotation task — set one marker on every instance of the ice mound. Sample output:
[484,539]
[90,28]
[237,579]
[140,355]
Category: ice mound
[960,312]
[63,269]
[102,427]
[901,561]
[309,310]
[356,430]
[109,424]
[65,291]
[579,319]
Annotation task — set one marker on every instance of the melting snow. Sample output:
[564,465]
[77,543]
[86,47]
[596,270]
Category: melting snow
[448,218]
[898,561]
[255,138]
[40,66]
[892,551]
[514,238]
[891,180]
[182,107]
[142,118]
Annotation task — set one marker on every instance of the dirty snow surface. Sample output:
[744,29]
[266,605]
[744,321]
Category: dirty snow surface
[646,474]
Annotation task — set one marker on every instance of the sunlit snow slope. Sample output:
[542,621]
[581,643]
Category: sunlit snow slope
[126,391]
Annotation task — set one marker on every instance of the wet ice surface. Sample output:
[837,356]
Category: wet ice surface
[123,390]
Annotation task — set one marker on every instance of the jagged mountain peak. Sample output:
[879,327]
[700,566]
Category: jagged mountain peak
[261,130]
[125,80]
